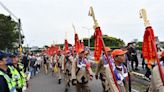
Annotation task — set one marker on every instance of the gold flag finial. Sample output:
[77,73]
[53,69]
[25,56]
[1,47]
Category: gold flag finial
[143,15]
[91,13]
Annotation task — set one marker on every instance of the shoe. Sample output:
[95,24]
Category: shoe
[59,82]
[68,84]
[66,89]
[136,69]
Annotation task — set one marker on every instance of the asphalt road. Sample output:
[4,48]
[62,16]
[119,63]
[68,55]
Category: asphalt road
[49,83]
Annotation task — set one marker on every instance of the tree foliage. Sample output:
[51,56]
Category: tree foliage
[8,33]
[112,42]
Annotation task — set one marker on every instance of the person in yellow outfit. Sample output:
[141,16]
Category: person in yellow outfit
[18,74]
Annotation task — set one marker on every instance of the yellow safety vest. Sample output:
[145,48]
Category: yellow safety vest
[17,77]
[10,82]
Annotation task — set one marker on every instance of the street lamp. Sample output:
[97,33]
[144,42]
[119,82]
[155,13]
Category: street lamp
[88,29]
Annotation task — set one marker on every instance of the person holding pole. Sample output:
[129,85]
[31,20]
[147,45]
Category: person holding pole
[81,73]
[99,45]
[151,56]
[156,83]
[100,70]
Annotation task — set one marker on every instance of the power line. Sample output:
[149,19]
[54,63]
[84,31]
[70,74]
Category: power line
[17,19]
[8,11]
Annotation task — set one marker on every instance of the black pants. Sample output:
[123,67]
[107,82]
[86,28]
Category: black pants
[143,63]
[134,59]
[148,71]
[19,89]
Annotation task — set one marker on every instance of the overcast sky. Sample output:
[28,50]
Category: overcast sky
[48,21]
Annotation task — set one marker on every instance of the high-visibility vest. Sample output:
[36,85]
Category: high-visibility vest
[17,77]
[21,67]
[10,82]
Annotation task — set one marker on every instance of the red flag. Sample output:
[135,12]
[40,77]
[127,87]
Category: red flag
[98,44]
[51,50]
[77,43]
[148,48]
[66,45]
[57,48]
[82,45]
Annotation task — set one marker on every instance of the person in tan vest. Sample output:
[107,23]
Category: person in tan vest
[81,73]
[60,64]
[100,70]
[67,69]
[156,84]
[120,72]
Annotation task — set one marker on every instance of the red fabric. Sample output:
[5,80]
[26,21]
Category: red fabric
[148,48]
[82,45]
[66,45]
[98,44]
[150,51]
[52,50]
[77,43]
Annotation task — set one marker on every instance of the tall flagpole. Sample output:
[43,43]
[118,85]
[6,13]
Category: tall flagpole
[74,28]
[143,15]
[91,13]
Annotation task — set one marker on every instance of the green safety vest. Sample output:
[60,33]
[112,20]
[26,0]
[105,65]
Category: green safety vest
[19,78]
[10,82]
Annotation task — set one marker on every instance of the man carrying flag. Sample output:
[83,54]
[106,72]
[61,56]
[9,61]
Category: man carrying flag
[116,72]
[81,73]
[156,83]
[150,55]
[100,70]
[67,65]
[67,69]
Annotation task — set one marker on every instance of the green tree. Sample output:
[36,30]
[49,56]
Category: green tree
[8,33]
[112,42]
[139,45]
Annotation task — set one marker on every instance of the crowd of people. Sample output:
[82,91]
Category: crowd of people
[76,69]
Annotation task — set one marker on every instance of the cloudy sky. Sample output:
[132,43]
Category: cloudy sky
[48,21]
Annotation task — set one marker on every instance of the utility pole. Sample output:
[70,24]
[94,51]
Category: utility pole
[20,38]
[19,30]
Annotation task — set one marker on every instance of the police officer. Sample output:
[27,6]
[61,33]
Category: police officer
[81,73]
[120,72]
[156,84]
[100,70]
[18,74]
[6,82]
